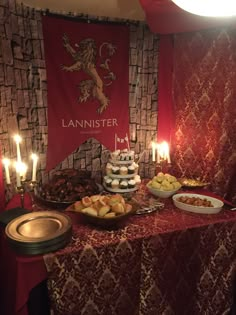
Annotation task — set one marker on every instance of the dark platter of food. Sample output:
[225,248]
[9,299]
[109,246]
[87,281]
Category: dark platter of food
[66,187]
[192,183]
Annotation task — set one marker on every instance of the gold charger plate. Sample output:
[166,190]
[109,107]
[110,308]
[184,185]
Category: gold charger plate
[38,227]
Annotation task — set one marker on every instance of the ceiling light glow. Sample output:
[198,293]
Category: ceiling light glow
[213,8]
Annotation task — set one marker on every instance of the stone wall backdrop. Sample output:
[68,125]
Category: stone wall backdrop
[23,94]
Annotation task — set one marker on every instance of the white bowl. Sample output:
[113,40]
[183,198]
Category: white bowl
[217,204]
[162,193]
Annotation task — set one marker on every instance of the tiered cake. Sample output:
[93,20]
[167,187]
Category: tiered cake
[121,172]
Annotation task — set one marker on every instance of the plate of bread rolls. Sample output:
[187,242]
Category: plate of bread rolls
[104,210]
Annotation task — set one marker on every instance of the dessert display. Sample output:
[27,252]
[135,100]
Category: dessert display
[68,186]
[121,172]
[122,155]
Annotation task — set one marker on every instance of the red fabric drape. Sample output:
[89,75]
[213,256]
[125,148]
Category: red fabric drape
[164,17]
[165,103]
[204,84]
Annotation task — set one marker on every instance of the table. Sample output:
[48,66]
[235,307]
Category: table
[169,262]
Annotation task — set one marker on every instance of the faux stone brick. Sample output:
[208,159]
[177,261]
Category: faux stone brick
[133,115]
[17,78]
[12,123]
[21,64]
[9,76]
[34,29]
[6,52]
[20,98]
[12,5]
[96,165]
[133,56]
[25,93]
[96,151]
[39,98]
[88,155]
[2,77]
[14,24]
[37,49]
[42,117]
[80,154]
[144,119]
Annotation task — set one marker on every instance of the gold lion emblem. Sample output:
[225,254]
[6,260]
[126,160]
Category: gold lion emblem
[84,56]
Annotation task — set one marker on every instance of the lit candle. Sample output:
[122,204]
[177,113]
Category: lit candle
[158,153]
[17,139]
[35,161]
[6,163]
[18,171]
[153,151]
[23,170]
[165,151]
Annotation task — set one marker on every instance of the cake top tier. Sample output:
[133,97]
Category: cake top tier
[122,155]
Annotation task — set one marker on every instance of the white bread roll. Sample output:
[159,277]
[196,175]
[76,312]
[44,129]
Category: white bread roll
[118,208]
[86,201]
[91,211]
[103,210]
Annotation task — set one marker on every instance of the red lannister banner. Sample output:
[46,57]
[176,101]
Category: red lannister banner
[87,74]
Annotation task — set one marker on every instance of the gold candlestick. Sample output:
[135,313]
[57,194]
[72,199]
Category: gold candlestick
[163,166]
[21,191]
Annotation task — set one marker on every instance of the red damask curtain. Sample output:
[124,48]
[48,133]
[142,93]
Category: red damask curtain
[203,141]
[204,82]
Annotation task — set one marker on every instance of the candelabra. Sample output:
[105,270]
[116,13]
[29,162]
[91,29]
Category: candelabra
[26,186]
[163,166]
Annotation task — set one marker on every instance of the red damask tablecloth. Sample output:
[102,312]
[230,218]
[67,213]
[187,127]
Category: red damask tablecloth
[168,262]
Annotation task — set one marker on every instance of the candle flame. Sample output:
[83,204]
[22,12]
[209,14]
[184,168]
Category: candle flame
[6,162]
[34,156]
[17,138]
[164,151]
[21,168]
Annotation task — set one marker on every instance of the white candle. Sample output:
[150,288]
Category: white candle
[153,151]
[17,139]
[158,153]
[23,170]
[168,157]
[35,161]
[18,168]
[6,163]
[165,151]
